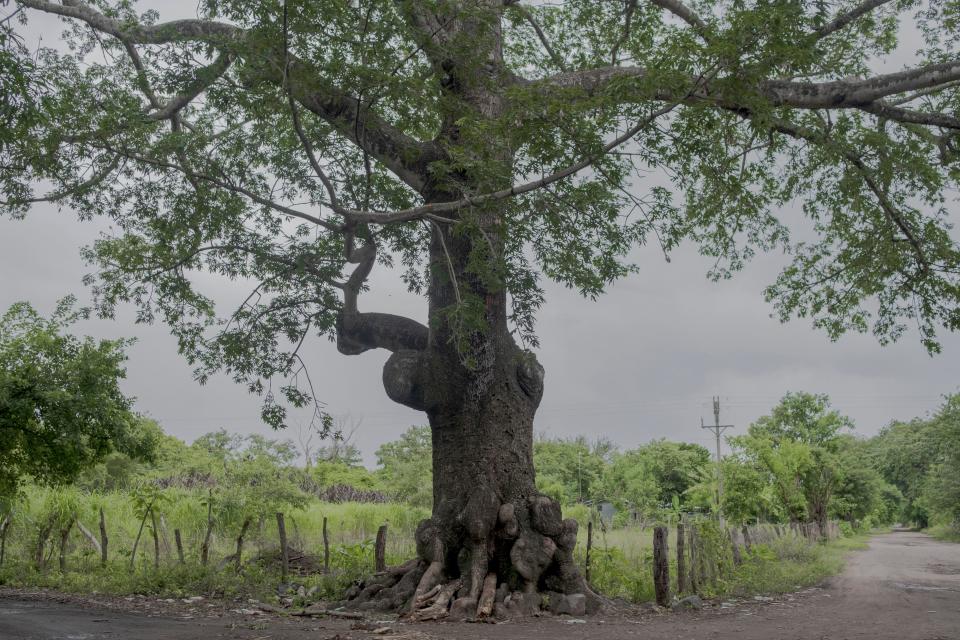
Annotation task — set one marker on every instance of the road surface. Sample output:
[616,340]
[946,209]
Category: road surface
[906,586]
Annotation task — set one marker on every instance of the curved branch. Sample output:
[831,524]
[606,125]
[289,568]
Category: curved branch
[163,33]
[359,332]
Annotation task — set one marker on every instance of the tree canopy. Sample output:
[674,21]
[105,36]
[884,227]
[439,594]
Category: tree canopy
[298,144]
[61,408]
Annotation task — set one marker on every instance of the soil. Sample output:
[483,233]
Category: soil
[906,586]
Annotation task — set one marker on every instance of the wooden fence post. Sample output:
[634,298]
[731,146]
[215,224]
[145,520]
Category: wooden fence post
[681,560]
[205,547]
[64,539]
[692,543]
[737,557]
[179,542]
[284,552]
[103,539]
[380,550]
[661,566]
[589,546]
[4,528]
[326,547]
[156,539]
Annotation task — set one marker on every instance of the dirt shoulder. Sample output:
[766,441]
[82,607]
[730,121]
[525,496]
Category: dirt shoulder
[905,586]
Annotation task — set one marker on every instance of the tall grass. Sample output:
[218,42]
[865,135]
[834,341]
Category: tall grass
[621,558]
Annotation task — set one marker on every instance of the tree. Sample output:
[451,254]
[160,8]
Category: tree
[479,147]
[61,408]
[798,446]
[406,467]
[570,470]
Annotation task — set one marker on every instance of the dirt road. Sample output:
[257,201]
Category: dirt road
[905,587]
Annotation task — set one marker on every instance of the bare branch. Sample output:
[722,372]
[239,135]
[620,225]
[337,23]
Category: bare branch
[163,33]
[532,21]
[685,13]
[845,19]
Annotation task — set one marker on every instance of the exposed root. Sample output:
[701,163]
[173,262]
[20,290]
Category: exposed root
[440,605]
[487,595]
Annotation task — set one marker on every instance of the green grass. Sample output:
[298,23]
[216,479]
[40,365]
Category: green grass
[945,532]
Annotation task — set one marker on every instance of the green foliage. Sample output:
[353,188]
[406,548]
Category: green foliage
[61,408]
[406,467]
[921,458]
[571,470]
[226,183]
[800,454]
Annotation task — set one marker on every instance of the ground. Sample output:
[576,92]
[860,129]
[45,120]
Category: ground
[906,586]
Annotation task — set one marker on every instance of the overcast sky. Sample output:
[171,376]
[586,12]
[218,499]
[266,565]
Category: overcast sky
[640,363]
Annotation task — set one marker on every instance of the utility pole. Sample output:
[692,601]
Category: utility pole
[717,429]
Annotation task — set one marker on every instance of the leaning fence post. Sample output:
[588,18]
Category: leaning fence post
[284,552]
[681,560]
[661,566]
[380,549]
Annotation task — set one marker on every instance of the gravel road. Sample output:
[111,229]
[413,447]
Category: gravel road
[906,586]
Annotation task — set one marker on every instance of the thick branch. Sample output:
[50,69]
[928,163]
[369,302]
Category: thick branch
[359,332]
[835,94]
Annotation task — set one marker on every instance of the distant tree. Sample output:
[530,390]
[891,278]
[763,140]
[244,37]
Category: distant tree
[941,487]
[798,445]
[406,467]
[61,408]
[569,470]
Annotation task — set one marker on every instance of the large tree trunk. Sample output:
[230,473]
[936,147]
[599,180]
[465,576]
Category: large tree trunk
[480,391]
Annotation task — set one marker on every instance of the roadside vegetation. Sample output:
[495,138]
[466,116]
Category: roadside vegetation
[201,518]
[118,506]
